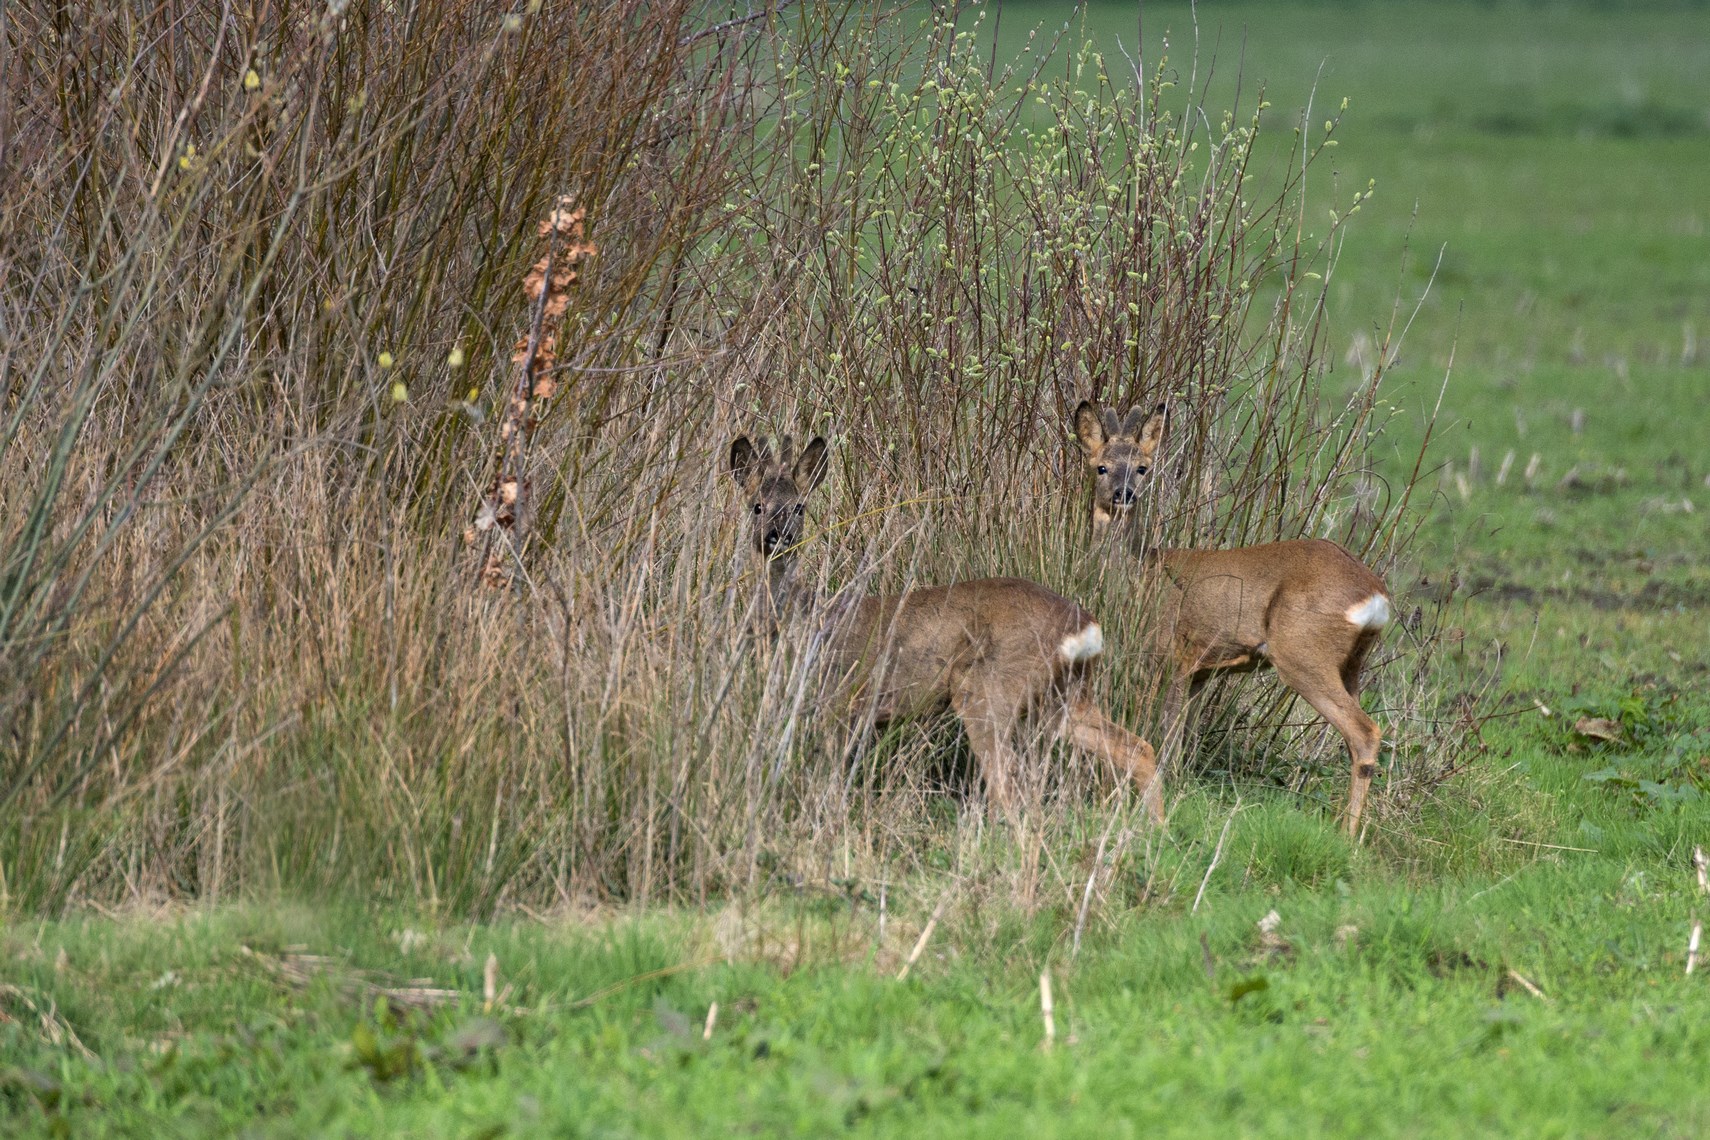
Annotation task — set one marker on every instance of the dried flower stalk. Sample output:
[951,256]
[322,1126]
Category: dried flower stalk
[504,507]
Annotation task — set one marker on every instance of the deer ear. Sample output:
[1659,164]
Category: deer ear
[1132,421]
[1089,431]
[811,467]
[746,461]
[1152,431]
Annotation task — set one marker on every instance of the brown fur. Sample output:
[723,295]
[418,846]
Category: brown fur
[988,650]
[1281,604]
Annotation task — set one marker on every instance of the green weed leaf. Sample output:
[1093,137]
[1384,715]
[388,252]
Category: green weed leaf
[1251,985]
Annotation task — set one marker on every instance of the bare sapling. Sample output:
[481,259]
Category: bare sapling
[991,650]
[1306,606]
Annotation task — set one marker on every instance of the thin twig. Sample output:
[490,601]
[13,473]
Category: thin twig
[1526,985]
[1215,857]
[1047,1010]
[1701,864]
[729,25]
[663,972]
[1550,846]
[925,935]
[1086,895]
[54,1027]
[712,1020]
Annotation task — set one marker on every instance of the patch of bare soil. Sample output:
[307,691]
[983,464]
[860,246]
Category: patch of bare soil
[1653,595]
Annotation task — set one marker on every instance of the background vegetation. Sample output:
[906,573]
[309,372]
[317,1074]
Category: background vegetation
[244,656]
[266,285]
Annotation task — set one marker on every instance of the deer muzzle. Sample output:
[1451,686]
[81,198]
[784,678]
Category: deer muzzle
[780,534]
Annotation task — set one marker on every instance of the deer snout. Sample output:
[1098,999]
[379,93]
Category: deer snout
[780,534]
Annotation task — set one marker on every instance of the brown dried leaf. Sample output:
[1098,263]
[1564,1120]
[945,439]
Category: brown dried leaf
[565,218]
[535,280]
[545,353]
[1598,728]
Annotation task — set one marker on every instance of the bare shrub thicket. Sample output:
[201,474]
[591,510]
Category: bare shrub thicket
[263,274]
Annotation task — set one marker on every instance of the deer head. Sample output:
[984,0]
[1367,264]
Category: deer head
[776,488]
[1120,453]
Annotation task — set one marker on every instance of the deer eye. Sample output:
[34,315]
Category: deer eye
[1104,471]
[759,508]
[1140,470]
[800,508]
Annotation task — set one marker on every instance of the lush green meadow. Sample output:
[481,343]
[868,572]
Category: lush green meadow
[1373,1009]
[1511,964]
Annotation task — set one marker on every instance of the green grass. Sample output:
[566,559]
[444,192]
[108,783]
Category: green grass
[1563,182]
[1375,1009]
[1387,1001]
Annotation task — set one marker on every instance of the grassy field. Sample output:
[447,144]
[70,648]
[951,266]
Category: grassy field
[1512,963]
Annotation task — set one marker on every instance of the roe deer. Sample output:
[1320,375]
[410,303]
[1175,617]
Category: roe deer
[1305,606]
[990,650]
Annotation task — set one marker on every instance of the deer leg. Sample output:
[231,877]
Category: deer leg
[989,725]
[1336,704]
[1088,729]
[1356,662]
[1362,741]
[1179,691]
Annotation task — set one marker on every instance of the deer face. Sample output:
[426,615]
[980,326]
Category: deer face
[1120,453]
[775,489]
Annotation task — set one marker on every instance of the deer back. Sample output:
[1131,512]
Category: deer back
[906,654]
[1233,596]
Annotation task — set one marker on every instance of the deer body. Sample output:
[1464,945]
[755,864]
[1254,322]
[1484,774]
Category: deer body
[991,650]
[1306,607]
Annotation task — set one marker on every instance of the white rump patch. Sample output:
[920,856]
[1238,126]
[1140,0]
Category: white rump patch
[1083,646]
[1373,613]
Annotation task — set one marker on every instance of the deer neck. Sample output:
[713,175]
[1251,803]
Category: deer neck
[780,585]
[780,596]
[1133,532]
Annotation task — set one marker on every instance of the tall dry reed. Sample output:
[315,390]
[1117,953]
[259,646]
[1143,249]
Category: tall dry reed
[263,274]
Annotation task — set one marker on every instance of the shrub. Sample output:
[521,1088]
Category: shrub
[260,289]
